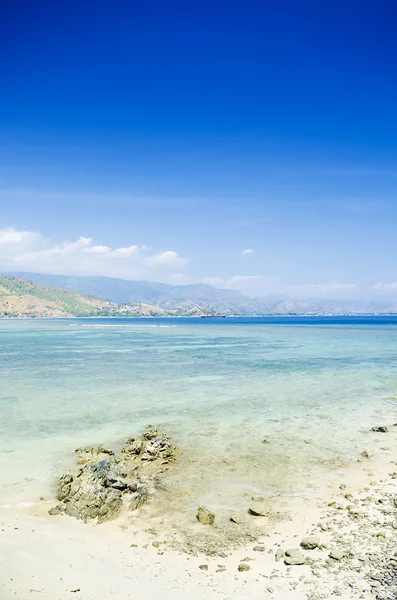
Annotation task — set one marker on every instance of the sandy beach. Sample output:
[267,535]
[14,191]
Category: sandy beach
[349,543]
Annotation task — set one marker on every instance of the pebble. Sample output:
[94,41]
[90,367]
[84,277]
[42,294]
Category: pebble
[243,567]
[205,516]
[310,543]
[259,509]
[337,554]
[367,453]
[259,548]
[294,557]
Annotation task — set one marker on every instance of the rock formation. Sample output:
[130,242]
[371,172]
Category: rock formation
[104,482]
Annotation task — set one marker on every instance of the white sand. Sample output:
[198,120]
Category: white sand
[60,558]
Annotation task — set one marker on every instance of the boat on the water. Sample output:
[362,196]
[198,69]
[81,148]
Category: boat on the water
[212,316]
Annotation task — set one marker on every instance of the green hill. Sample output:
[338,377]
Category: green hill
[22,298]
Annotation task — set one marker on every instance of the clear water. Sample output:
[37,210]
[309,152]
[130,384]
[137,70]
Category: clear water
[311,387]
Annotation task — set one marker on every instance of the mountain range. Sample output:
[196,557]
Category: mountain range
[195,299]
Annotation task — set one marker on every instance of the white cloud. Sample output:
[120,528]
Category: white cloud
[385,287]
[30,251]
[247,251]
[168,257]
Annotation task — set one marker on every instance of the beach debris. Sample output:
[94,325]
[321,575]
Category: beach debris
[294,557]
[380,429]
[205,516]
[310,543]
[104,482]
[259,508]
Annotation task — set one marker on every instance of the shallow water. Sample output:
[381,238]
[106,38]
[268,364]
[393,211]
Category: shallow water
[219,387]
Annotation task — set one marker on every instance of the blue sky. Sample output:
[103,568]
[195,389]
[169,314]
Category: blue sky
[161,140]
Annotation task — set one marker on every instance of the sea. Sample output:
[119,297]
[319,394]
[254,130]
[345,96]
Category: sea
[279,406]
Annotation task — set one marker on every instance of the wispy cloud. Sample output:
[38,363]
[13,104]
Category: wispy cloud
[385,287]
[31,251]
[247,251]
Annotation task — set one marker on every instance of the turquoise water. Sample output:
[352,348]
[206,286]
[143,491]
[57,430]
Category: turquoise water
[219,387]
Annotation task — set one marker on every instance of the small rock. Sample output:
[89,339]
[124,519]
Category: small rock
[310,542]
[259,509]
[279,555]
[367,453]
[337,554]
[259,548]
[236,519]
[380,429]
[294,557]
[203,567]
[244,567]
[156,544]
[205,516]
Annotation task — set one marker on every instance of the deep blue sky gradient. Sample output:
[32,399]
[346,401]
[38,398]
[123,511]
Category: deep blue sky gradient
[207,128]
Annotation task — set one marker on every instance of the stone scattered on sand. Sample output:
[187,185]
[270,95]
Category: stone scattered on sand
[203,567]
[243,567]
[259,509]
[279,555]
[236,519]
[104,482]
[310,543]
[337,554]
[380,429]
[205,516]
[367,453]
[259,549]
[294,557]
